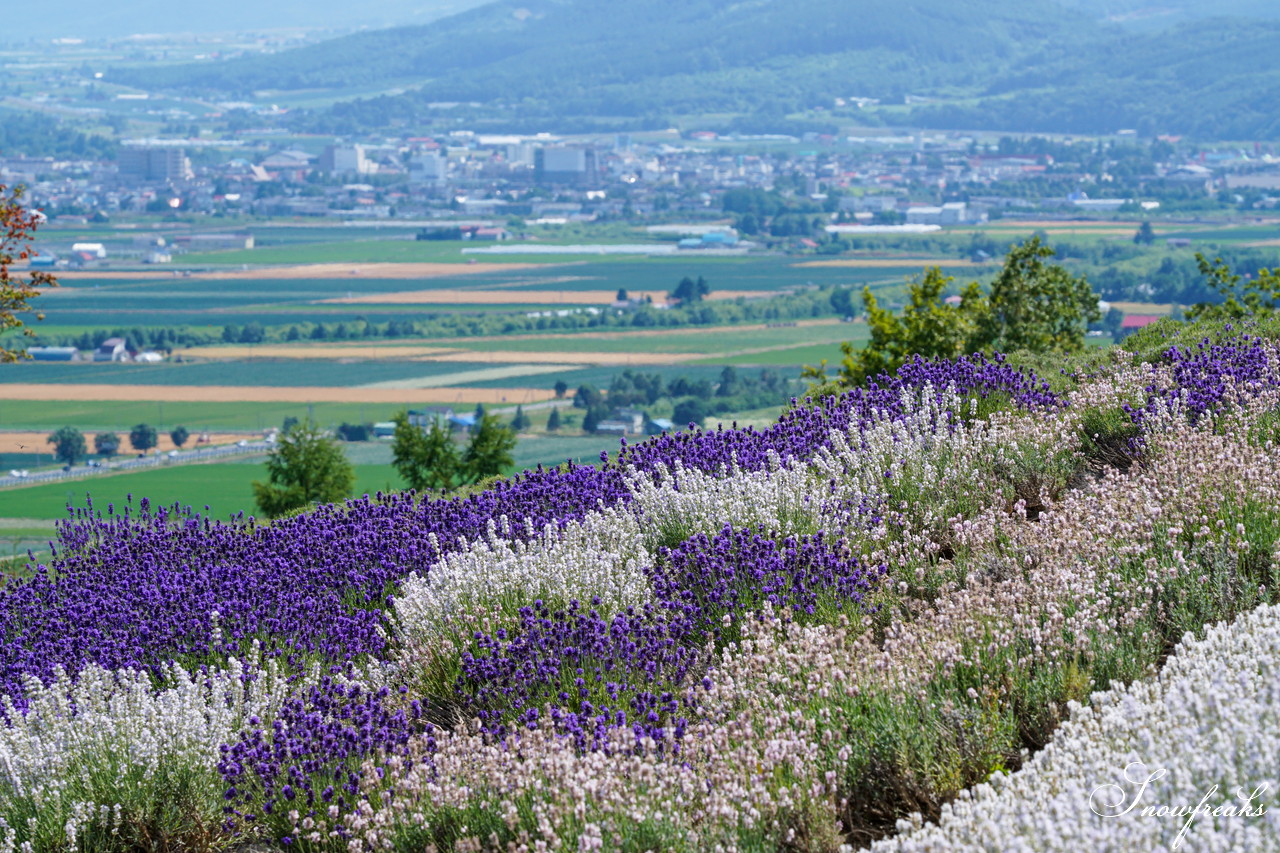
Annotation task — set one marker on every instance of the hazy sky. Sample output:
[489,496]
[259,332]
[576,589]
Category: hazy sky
[47,19]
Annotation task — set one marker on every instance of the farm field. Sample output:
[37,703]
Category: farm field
[141,299]
[14,442]
[226,487]
[205,415]
[804,354]
[324,370]
[724,340]
[264,394]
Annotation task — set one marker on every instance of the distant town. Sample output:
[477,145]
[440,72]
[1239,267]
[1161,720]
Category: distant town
[487,188]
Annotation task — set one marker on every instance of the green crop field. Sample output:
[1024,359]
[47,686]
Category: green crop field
[340,252]
[1229,234]
[93,415]
[284,373]
[790,357]
[721,339]
[226,487]
[97,303]
[602,376]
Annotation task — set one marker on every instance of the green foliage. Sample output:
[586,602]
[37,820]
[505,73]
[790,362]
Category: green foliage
[689,411]
[143,437]
[1030,306]
[426,459]
[553,420]
[429,459]
[688,290]
[68,444]
[1034,306]
[179,435]
[37,135]
[520,420]
[1259,296]
[1106,81]
[1144,236]
[927,327]
[305,467]
[489,451]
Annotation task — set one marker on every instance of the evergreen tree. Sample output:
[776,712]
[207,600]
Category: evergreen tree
[553,420]
[520,421]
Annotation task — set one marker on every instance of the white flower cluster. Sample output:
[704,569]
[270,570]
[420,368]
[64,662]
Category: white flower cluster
[95,736]
[104,713]
[601,555]
[1190,760]
[784,499]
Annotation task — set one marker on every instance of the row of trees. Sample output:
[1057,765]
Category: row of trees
[693,312]
[308,467]
[1031,305]
[69,445]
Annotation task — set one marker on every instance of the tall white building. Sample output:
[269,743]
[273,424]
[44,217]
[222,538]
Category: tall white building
[346,160]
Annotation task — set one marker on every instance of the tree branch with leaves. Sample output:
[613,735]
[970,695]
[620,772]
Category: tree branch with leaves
[17,226]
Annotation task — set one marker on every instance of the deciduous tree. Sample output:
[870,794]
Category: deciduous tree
[489,451]
[305,467]
[17,225]
[106,444]
[143,437]
[1035,306]
[928,326]
[426,459]
[1260,295]
[1031,305]
[68,444]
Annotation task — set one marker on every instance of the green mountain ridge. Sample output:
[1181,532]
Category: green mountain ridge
[1032,66]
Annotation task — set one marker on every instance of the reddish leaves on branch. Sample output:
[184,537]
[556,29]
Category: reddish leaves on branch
[17,226]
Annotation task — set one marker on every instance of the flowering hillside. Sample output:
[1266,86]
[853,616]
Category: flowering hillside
[964,603]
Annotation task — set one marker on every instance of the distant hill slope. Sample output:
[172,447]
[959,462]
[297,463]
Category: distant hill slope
[1028,65]
[1214,79]
[1153,14]
[515,49]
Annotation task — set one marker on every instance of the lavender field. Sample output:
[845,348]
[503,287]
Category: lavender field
[968,607]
